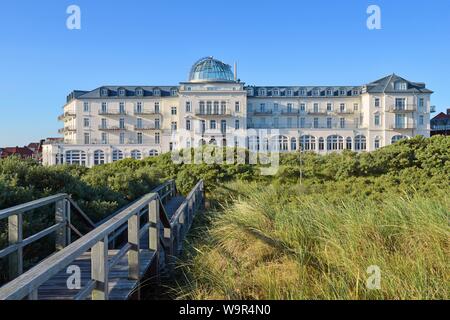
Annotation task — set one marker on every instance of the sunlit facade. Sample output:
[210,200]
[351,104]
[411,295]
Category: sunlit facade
[212,107]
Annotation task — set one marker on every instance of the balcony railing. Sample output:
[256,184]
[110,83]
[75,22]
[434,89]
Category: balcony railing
[67,115]
[344,111]
[206,113]
[67,129]
[290,112]
[111,128]
[146,128]
[146,113]
[307,126]
[262,112]
[403,108]
[317,112]
[403,126]
[112,113]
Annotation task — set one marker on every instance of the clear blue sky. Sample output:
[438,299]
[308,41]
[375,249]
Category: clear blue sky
[155,42]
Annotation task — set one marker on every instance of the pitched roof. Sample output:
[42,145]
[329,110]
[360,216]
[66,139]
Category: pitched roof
[387,85]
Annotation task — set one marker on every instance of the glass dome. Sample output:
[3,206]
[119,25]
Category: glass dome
[210,69]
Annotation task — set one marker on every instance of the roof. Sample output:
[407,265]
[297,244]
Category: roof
[387,85]
[11,151]
[441,116]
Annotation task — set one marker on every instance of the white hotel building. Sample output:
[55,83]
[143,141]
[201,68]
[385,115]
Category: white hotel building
[115,122]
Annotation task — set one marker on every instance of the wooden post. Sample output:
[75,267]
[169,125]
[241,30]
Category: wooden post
[68,231]
[15,236]
[133,253]
[153,232]
[33,295]
[99,270]
[61,217]
[169,239]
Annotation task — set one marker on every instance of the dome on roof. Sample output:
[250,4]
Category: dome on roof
[210,69]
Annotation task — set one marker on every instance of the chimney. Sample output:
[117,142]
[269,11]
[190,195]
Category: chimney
[235,71]
[448,111]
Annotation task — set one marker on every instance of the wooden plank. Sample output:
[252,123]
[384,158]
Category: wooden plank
[21,208]
[100,270]
[133,241]
[61,218]
[15,234]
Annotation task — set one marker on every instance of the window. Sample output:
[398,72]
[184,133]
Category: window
[401,86]
[139,107]
[396,139]
[421,120]
[208,107]
[329,107]
[302,107]
[316,107]
[342,123]
[293,143]
[173,126]
[308,143]
[156,92]
[173,111]
[262,107]
[237,106]
[376,119]
[86,122]
[139,92]
[280,143]
[202,126]
[355,106]
[249,91]
[157,138]
[348,143]
[329,92]
[377,143]
[289,93]
[87,138]
[223,107]
[122,138]
[377,102]
[275,107]
[104,107]
[122,123]
[136,154]
[400,103]
[157,107]
[329,122]
[99,157]
[360,143]
[121,92]
[289,107]
[139,123]
[212,124]
[157,125]
[173,92]
[86,106]
[153,153]
[316,123]
[342,92]
[262,92]
[117,155]
[355,92]
[122,107]
[188,106]
[289,122]
[76,157]
[236,124]
[302,122]
[223,126]
[103,124]
[216,107]
[104,138]
[104,92]
[276,92]
[342,107]
[139,138]
[335,143]
[188,125]
[275,122]
[321,144]
[202,107]
[303,92]
[421,102]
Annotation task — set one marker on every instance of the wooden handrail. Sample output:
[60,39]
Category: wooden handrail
[27,284]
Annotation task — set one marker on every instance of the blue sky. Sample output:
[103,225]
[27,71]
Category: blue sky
[136,42]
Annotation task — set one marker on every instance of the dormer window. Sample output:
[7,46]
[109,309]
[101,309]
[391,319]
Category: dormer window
[173,92]
[342,92]
[276,92]
[400,85]
[156,92]
[250,91]
[316,92]
[139,92]
[104,92]
[122,92]
[355,92]
[303,92]
[289,93]
[262,92]
[329,92]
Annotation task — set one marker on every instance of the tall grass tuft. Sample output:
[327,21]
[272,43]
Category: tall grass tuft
[275,243]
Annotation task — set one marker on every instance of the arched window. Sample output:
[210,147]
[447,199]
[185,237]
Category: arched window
[321,144]
[117,155]
[293,143]
[99,157]
[136,154]
[335,142]
[153,153]
[308,143]
[348,143]
[360,143]
[398,138]
[253,143]
[280,143]
[213,142]
[76,157]
[377,143]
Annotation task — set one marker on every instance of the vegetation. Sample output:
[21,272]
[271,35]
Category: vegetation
[272,237]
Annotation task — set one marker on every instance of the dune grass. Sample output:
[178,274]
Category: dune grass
[279,243]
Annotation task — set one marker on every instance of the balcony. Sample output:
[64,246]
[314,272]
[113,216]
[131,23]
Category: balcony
[317,112]
[146,128]
[112,113]
[262,113]
[403,108]
[402,126]
[146,113]
[67,116]
[111,128]
[290,112]
[67,129]
[221,113]
[344,112]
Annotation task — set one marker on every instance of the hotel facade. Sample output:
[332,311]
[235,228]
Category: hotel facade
[111,123]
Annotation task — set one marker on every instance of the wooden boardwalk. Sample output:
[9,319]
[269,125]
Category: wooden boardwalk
[149,233]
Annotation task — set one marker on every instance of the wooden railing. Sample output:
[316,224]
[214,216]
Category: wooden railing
[164,238]
[62,228]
